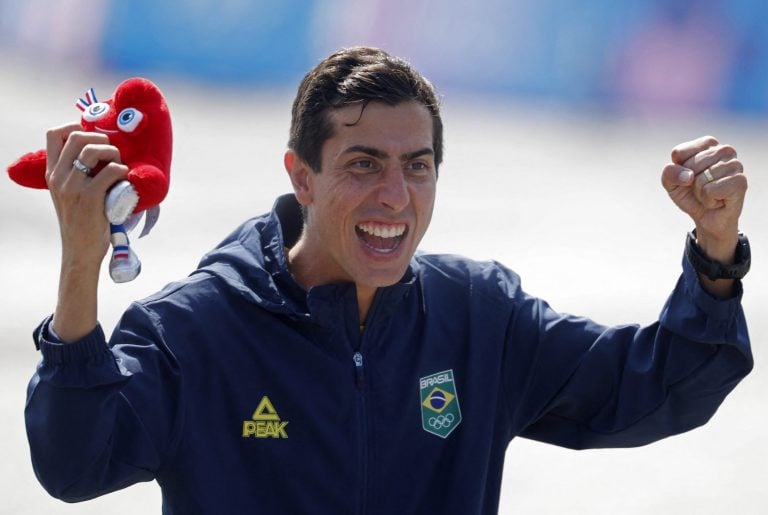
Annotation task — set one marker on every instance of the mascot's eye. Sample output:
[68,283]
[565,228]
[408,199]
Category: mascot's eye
[95,112]
[129,119]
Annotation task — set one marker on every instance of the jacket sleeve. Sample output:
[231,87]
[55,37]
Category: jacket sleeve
[100,417]
[589,386]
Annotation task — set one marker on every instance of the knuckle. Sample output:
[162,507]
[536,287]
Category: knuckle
[85,153]
[82,138]
[78,135]
[678,152]
[669,171]
[76,139]
[668,168]
[726,151]
[737,165]
[90,152]
[113,168]
[741,181]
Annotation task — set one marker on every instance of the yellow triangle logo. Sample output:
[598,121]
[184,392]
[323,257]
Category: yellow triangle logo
[265,410]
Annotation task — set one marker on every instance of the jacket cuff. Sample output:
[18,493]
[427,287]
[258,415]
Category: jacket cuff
[715,307]
[56,352]
[697,315]
[85,363]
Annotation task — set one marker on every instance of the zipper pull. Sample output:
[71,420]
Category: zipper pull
[358,358]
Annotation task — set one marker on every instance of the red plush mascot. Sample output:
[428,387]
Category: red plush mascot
[137,122]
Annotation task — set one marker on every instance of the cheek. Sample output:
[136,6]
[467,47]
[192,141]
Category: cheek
[424,198]
[342,200]
[329,214]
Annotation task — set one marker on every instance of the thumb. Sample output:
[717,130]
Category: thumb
[674,176]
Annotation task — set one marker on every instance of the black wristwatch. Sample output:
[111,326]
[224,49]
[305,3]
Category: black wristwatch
[714,269]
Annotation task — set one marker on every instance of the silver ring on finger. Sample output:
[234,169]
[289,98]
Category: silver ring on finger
[81,167]
[708,175]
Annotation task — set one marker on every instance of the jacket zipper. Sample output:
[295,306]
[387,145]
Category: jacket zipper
[359,373]
[357,357]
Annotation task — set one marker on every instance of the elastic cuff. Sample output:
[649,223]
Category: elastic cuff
[55,352]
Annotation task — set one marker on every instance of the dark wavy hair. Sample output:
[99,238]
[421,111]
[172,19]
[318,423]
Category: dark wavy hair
[357,75]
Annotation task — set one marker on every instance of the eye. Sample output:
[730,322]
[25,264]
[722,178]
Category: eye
[363,166]
[128,119]
[419,168]
[95,112]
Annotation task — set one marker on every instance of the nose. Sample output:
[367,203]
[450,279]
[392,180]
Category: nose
[393,189]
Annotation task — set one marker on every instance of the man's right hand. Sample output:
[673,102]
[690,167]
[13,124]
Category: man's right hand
[79,202]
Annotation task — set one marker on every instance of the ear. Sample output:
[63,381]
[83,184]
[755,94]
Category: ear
[301,177]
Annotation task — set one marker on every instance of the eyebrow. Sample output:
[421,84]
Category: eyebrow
[380,154]
[417,153]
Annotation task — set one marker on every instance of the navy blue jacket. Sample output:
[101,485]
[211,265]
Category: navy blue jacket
[241,393]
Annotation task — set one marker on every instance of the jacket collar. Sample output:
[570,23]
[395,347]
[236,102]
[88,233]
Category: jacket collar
[322,303]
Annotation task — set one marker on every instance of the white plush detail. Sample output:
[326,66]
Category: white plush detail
[123,270]
[120,203]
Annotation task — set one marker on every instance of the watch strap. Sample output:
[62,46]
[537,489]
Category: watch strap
[714,269]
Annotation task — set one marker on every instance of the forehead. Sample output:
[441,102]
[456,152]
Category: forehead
[404,126]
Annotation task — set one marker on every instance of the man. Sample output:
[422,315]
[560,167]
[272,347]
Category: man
[316,363]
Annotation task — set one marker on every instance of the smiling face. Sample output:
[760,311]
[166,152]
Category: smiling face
[371,202]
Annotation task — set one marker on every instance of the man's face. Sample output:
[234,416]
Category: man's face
[372,201]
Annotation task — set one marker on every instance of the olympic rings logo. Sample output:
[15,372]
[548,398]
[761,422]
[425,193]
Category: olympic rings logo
[441,421]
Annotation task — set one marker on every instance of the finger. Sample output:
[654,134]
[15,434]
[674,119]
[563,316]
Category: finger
[54,142]
[95,187]
[79,194]
[730,189]
[674,176]
[74,144]
[706,158]
[684,151]
[719,170]
[709,184]
[108,176]
[92,155]
[77,141]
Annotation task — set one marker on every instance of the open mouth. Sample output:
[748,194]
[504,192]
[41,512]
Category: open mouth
[382,238]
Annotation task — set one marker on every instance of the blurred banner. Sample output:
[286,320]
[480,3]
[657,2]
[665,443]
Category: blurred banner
[607,54]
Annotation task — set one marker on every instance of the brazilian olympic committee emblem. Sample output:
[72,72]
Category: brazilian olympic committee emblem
[440,412]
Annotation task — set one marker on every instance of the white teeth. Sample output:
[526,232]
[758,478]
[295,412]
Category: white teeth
[383,231]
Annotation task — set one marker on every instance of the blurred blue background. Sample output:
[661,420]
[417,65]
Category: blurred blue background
[630,55]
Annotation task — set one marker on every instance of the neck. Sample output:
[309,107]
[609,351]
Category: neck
[304,272]
[365,296]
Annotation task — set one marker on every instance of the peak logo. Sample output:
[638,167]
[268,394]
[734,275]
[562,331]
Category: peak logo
[265,423]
